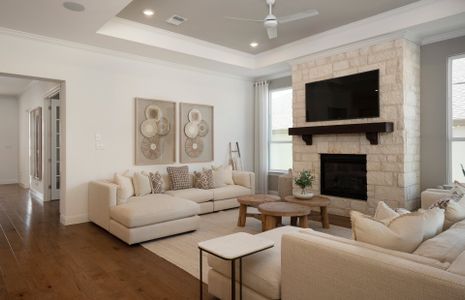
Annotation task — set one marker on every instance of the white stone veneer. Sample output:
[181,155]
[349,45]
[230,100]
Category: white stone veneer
[393,166]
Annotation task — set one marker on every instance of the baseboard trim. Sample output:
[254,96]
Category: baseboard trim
[9,181]
[24,186]
[76,219]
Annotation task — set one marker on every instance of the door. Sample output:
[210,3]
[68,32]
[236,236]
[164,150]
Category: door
[55,147]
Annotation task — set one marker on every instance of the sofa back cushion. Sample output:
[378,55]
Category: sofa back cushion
[404,233]
[455,211]
[446,246]
[180,177]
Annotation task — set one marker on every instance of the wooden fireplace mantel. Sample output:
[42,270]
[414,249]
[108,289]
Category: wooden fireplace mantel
[371,130]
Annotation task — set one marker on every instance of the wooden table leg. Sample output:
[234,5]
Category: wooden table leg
[242,215]
[270,223]
[294,221]
[324,217]
[303,221]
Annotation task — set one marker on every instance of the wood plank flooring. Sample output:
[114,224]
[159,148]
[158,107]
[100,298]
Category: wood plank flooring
[42,259]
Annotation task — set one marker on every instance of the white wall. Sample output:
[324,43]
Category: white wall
[8,140]
[100,91]
[30,99]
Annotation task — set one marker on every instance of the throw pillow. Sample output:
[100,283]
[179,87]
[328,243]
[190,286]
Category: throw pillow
[156,182]
[384,213]
[209,173]
[403,233]
[141,184]
[433,222]
[218,177]
[454,212]
[125,188]
[201,180]
[179,177]
[226,174]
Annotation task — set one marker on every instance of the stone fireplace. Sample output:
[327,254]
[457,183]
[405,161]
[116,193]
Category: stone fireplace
[392,166]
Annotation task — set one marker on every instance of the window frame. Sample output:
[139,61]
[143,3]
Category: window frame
[270,92]
[449,121]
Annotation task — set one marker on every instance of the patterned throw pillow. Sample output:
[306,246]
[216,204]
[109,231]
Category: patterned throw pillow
[201,180]
[179,177]
[209,173]
[156,181]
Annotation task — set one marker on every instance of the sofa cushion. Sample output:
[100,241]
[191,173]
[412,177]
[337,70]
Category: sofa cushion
[261,271]
[125,187]
[446,246]
[230,191]
[455,211]
[180,177]
[141,183]
[196,195]
[458,266]
[152,209]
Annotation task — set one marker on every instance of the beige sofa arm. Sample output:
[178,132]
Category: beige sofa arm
[245,179]
[319,268]
[102,197]
[431,196]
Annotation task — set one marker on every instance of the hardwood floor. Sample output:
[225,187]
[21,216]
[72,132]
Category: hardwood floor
[42,259]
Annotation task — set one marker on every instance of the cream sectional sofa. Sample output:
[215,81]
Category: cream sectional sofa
[158,215]
[306,264]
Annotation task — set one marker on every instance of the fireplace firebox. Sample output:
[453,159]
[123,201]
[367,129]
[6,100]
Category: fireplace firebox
[344,175]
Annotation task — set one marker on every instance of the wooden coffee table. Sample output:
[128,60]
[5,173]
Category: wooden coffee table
[252,201]
[272,212]
[316,201]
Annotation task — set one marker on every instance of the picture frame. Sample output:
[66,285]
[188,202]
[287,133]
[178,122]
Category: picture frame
[196,138]
[155,132]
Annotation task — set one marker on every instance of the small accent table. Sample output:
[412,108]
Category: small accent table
[252,201]
[233,247]
[316,201]
[272,212]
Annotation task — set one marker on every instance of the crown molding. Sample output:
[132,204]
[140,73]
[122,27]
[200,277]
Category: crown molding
[444,36]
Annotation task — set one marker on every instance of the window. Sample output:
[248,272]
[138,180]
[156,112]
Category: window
[280,143]
[457,119]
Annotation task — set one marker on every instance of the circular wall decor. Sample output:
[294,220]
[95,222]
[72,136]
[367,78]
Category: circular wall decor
[153,112]
[195,116]
[163,126]
[149,128]
[150,147]
[203,128]
[194,147]
[191,130]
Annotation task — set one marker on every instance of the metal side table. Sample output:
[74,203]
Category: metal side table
[233,247]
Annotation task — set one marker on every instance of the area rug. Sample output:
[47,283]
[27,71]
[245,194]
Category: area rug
[181,250]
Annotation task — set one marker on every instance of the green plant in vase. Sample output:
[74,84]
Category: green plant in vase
[304,180]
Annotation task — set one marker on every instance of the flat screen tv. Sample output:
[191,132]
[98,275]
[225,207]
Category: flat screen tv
[348,97]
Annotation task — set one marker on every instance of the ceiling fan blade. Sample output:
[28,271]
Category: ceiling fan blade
[272,32]
[243,19]
[298,16]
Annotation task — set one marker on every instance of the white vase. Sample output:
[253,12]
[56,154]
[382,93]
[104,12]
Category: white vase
[303,195]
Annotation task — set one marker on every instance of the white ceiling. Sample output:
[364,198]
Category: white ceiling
[99,29]
[206,18]
[13,86]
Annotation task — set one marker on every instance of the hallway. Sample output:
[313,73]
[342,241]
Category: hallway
[42,259]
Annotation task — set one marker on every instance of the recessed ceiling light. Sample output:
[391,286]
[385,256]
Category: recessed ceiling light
[73,6]
[148,12]
[254,44]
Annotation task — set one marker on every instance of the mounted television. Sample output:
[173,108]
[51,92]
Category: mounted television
[348,97]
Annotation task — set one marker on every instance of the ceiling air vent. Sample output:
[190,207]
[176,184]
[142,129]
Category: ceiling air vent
[176,20]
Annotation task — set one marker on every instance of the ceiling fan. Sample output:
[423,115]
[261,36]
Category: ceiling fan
[271,21]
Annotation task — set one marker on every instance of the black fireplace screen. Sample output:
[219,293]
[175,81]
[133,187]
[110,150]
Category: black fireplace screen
[344,175]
